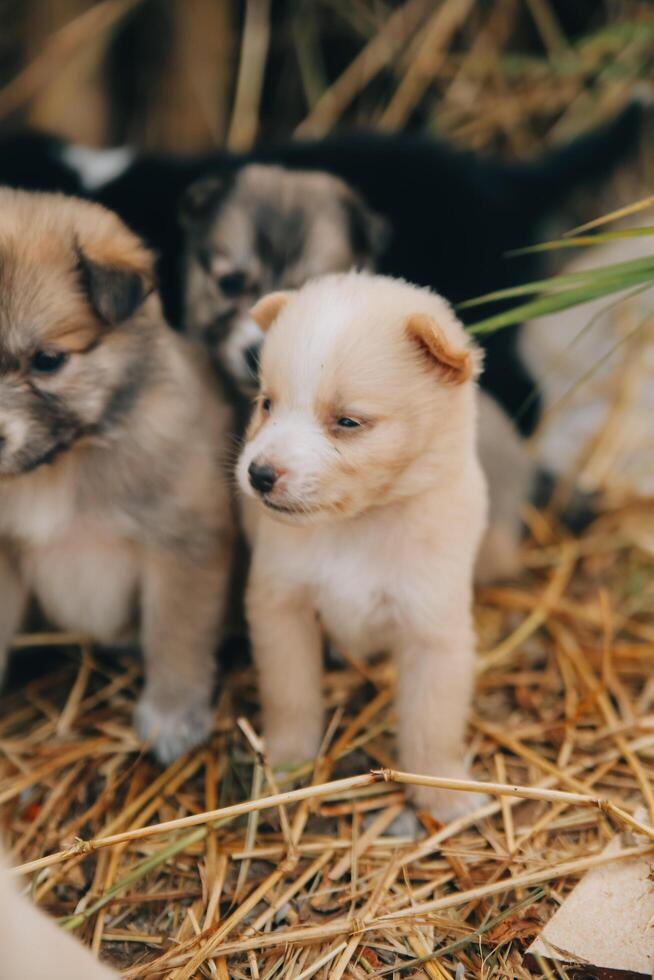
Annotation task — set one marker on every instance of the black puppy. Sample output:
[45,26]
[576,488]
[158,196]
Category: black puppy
[453,215]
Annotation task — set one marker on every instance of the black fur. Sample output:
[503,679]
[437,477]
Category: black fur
[280,236]
[124,397]
[8,362]
[370,233]
[115,294]
[200,201]
[32,161]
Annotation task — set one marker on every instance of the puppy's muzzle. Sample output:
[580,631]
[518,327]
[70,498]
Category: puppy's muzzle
[262,476]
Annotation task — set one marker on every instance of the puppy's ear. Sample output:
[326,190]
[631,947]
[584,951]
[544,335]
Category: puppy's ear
[265,312]
[454,362]
[370,233]
[114,292]
[202,197]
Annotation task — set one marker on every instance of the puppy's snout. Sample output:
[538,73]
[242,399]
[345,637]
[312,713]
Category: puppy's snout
[262,476]
[251,355]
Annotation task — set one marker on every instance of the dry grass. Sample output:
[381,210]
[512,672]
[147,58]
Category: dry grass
[508,76]
[175,874]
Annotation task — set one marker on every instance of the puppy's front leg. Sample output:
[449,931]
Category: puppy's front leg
[183,609]
[435,683]
[287,648]
[13,598]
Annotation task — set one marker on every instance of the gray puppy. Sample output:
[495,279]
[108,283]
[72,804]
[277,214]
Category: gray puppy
[114,507]
[264,229]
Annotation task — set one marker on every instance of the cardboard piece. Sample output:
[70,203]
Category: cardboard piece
[605,927]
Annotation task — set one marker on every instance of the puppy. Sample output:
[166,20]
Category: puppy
[34,948]
[594,366]
[264,229]
[361,456]
[114,508]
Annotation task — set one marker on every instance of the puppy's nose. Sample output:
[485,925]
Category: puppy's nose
[251,355]
[262,476]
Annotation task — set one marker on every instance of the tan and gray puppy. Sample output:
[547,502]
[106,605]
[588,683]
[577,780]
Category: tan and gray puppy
[362,458]
[262,229]
[114,508]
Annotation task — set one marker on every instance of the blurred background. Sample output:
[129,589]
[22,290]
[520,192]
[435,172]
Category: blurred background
[503,76]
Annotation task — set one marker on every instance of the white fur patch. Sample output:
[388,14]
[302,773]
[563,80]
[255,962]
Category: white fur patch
[97,167]
[82,574]
[14,432]
[39,510]
[85,582]
[243,335]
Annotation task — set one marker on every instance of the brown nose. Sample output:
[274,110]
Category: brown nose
[262,476]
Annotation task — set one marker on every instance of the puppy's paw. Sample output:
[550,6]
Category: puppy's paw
[291,744]
[172,731]
[500,556]
[446,805]
[406,824]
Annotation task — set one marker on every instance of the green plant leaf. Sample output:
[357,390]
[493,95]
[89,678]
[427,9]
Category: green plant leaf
[600,238]
[544,305]
[616,273]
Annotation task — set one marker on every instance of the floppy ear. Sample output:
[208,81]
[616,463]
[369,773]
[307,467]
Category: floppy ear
[369,232]
[115,292]
[265,312]
[455,363]
[202,197]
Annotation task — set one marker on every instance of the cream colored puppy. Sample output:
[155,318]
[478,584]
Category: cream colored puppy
[32,947]
[362,456]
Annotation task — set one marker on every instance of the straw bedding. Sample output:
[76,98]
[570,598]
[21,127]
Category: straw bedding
[317,886]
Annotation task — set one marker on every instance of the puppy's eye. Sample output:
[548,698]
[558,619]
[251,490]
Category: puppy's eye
[233,284]
[266,404]
[47,362]
[347,423]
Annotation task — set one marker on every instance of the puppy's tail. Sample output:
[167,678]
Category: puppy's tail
[545,183]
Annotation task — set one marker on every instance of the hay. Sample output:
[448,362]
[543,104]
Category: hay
[508,77]
[214,868]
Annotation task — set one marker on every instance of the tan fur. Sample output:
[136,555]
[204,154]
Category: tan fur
[369,534]
[265,312]
[114,504]
[32,947]
[456,366]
